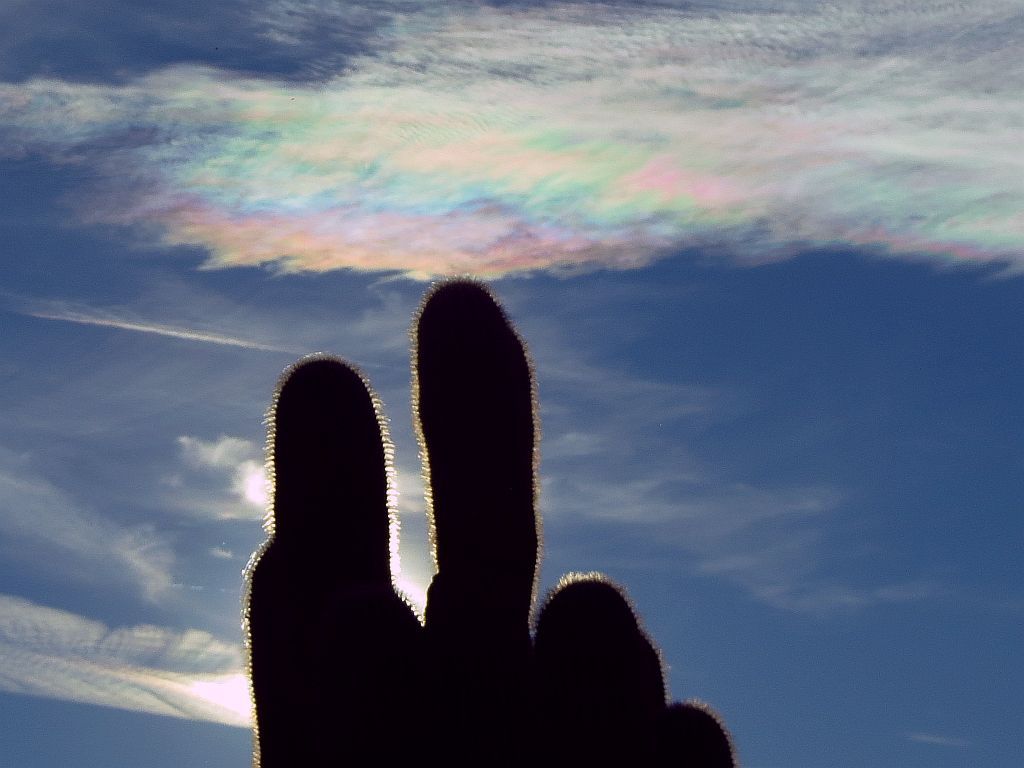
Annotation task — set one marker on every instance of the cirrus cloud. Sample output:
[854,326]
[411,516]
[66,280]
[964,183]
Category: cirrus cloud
[39,517]
[57,654]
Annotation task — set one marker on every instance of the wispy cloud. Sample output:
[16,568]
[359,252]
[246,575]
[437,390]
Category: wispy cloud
[62,655]
[85,544]
[771,543]
[938,740]
[324,33]
[615,457]
[112,320]
[497,140]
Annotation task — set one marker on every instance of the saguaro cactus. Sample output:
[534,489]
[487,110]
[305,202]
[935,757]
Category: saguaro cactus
[342,671]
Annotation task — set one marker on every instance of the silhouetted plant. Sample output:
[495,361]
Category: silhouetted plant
[342,670]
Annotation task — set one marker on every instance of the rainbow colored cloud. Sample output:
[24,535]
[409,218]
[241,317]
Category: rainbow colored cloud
[497,141]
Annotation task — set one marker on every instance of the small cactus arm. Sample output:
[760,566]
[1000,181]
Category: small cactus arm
[341,669]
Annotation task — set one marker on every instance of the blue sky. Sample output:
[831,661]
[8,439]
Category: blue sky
[767,258]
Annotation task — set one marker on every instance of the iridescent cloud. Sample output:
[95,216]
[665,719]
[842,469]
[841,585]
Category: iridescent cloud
[494,141]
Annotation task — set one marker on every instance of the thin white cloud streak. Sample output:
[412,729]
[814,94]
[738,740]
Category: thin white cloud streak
[501,140]
[61,655]
[939,741]
[42,525]
[159,329]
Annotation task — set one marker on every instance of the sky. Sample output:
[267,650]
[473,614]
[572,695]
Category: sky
[768,259]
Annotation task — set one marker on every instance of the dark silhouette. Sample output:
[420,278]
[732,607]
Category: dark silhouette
[342,671]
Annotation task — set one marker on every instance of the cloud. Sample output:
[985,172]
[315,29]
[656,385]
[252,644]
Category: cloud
[939,741]
[324,32]
[58,654]
[292,38]
[37,517]
[236,465]
[771,543]
[616,458]
[503,140]
[222,553]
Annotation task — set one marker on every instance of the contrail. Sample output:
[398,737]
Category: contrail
[159,329]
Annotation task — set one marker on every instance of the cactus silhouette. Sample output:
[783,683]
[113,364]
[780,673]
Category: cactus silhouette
[343,672]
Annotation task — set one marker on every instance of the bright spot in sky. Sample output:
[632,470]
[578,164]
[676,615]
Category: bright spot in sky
[254,484]
[228,692]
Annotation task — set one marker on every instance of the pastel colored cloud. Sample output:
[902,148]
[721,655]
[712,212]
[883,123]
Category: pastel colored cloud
[495,141]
